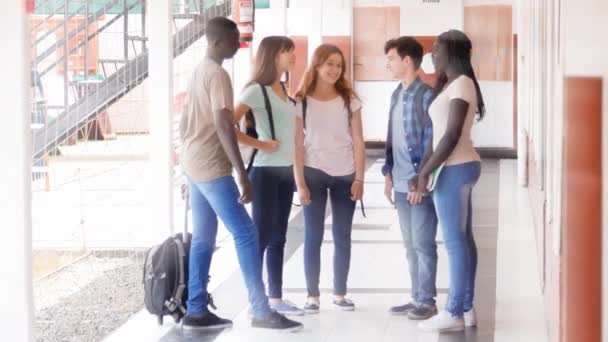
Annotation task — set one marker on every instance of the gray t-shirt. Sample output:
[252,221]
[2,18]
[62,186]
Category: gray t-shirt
[403,170]
[203,157]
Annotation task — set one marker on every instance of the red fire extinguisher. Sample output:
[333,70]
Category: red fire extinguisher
[244,16]
[29,6]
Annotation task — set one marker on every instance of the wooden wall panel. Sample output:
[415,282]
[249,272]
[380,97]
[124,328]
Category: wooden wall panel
[373,26]
[427,46]
[344,43]
[582,210]
[490,28]
[504,40]
[301,43]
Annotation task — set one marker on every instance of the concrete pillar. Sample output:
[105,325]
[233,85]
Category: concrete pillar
[15,176]
[160,95]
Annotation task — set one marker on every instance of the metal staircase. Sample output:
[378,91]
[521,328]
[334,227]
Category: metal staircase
[129,71]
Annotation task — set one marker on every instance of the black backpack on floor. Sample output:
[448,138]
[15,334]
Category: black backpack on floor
[165,276]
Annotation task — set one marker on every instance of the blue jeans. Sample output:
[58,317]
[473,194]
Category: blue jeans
[419,229]
[209,200]
[452,197]
[273,195]
[319,183]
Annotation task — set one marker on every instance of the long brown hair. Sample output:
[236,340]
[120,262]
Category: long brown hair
[265,69]
[310,79]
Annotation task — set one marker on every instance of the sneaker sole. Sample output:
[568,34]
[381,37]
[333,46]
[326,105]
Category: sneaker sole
[471,325]
[432,330]
[293,330]
[342,308]
[419,318]
[211,327]
[287,330]
[395,313]
[292,313]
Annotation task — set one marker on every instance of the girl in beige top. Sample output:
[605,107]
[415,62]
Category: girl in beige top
[457,101]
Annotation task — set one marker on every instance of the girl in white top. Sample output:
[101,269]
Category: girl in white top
[329,159]
[453,111]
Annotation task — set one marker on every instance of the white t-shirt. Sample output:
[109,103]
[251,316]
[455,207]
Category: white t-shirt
[328,142]
[461,88]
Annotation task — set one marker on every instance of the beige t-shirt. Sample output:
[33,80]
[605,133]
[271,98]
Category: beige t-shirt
[203,157]
[461,88]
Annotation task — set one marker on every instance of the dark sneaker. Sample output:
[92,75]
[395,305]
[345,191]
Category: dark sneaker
[422,312]
[276,321]
[311,308]
[345,304]
[208,321]
[402,310]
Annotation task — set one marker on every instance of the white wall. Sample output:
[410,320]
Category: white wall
[430,19]
[487,2]
[305,18]
[586,51]
[376,103]
[377,3]
[496,129]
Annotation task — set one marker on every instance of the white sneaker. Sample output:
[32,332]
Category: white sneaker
[442,322]
[470,318]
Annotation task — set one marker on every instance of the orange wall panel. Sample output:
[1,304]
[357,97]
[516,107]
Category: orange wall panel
[373,26]
[582,210]
[490,28]
[344,43]
[301,43]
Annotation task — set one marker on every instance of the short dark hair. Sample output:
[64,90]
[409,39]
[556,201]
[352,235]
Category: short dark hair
[406,46]
[219,27]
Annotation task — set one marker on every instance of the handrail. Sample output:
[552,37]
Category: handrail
[84,25]
[91,36]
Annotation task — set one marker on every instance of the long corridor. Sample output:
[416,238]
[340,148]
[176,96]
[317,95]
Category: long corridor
[508,297]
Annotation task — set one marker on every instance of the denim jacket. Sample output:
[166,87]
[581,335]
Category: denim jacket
[417,123]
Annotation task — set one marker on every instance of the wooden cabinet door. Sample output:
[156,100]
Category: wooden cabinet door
[490,29]
[373,26]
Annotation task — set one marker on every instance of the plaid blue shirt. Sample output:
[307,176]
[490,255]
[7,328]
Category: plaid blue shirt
[418,127]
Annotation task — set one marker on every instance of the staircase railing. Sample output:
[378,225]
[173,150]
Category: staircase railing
[133,71]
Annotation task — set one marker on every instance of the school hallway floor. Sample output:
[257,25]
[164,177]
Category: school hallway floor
[508,291]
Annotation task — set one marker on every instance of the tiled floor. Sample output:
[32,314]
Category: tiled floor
[379,277]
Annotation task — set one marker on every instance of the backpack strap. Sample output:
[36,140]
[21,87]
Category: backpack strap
[270,120]
[418,102]
[251,159]
[289,98]
[175,302]
[268,110]
[304,109]
[349,110]
[181,287]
